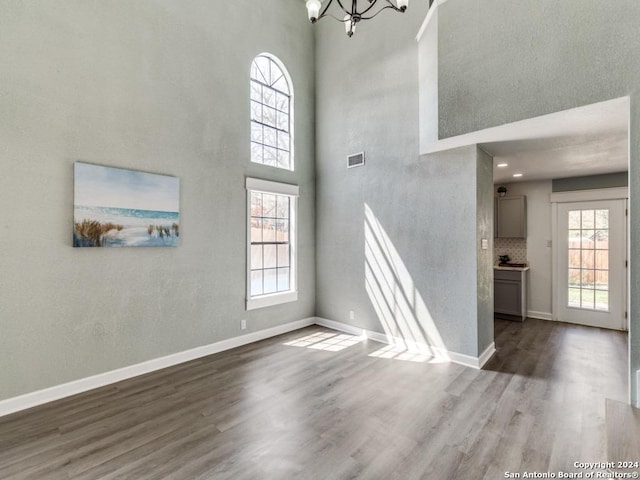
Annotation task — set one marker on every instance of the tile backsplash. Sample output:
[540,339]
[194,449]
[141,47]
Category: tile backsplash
[516,248]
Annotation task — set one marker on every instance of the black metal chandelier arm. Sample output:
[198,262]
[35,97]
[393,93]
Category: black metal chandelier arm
[391,5]
[343,9]
[324,11]
[341,20]
[378,12]
[369,8]
[354,9]
[353,16]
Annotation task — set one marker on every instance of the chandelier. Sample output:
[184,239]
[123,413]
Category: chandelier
[353,16]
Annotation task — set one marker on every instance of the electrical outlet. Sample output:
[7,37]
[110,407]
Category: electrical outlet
[352,315]
[243,324]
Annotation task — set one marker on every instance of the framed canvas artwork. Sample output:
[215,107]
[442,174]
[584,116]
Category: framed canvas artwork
[116,207]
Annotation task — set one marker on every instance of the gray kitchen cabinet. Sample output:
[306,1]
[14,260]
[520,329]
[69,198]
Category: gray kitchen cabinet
[511,217]
[510,293]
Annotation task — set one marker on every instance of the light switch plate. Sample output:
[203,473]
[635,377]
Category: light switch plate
[485,244]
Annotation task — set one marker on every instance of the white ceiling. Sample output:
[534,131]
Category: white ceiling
[582,141]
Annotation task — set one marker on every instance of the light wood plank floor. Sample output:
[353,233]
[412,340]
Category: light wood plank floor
[282,409]
[623,433]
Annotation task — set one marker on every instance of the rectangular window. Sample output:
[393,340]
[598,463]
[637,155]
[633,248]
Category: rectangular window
[271,243]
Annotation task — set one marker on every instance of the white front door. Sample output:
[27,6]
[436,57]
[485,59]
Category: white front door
[591,254]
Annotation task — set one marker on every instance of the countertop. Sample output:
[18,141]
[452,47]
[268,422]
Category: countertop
[517,269]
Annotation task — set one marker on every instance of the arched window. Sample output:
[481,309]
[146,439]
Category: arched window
[271,113]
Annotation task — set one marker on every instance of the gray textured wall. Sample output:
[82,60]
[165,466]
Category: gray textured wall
[504,61]
[159,86]
[423,208]
[367,99]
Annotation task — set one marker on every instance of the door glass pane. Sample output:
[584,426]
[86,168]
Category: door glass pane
[587,278]
[588,259]
[574,219]
[602,259]
[602,239]
[574,277]
[574,258]
[602,280]
[574,297]
[602,300]
[587,299]
[602,219]
[587,239]
[588,219]
[574,239]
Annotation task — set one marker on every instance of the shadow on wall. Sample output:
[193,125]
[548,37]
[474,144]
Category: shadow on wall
[408,325]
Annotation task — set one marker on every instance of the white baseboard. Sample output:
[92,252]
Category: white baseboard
[473,362]
[22,402]
[540,315]
[486,355]
[343,327]
[466,360]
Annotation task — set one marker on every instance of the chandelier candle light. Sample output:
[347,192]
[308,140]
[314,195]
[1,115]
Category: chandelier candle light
[353,15]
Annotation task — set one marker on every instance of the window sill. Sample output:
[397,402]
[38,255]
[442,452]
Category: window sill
[271,300]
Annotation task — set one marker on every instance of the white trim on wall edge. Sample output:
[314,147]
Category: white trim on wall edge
[33,399]
[539,315]
[466,360]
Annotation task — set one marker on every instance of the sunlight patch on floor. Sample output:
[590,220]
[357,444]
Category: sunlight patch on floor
[397,352]
[328,341]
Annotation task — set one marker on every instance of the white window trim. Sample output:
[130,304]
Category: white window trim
[265,186]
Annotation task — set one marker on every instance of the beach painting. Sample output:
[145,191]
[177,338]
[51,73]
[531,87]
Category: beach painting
[116,207]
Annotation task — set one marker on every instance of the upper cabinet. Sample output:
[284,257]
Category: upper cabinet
[511,217]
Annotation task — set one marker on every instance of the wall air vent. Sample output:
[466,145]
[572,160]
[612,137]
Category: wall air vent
[355,160]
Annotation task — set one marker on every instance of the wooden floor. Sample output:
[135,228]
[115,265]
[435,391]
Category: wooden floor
[317,404]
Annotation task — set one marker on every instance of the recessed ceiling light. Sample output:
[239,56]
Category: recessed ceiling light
[502,165]
[517,174]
